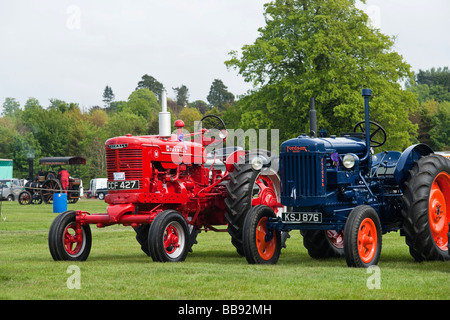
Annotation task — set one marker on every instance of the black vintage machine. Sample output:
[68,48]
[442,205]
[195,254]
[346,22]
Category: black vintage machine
[41,186]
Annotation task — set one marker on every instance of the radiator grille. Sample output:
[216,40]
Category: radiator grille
[124,160]
[303,175]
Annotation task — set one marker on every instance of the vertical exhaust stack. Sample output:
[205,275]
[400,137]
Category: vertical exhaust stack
[366,93]
[164,117]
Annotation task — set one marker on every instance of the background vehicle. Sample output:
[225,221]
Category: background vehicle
[98,188]
[342,198]
[41,186]
[161,186]
[10,189]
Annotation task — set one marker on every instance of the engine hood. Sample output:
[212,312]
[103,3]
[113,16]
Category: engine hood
[341,145]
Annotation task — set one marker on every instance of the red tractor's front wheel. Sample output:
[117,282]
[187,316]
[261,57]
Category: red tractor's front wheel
[68,240]
[168,239]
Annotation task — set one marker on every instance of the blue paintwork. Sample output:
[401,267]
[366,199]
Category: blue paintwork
[311,181]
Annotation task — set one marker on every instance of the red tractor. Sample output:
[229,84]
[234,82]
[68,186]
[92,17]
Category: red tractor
[168,189]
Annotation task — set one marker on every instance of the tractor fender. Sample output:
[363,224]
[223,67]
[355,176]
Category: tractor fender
[241,156]
[407,159]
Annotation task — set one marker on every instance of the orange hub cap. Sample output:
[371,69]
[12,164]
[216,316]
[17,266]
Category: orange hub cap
[266,250]
[439,209]
[367,240]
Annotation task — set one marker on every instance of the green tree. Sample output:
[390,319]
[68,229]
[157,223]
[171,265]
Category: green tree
[326,50]
[182,94]
[433,84]
[218,95]
[123,123]
[152,84]
[11,108]
[7,133]
[108,96]
[189,116]
[440,128]
[201,105]
[143,103]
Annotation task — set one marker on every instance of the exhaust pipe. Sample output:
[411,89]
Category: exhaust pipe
[164,117]
[366,93]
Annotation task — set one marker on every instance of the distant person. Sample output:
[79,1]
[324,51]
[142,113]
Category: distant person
[64,177]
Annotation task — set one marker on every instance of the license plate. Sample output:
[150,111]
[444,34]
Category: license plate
[302,217]
[123,185]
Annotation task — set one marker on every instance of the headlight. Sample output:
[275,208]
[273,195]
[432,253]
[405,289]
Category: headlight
[349,160]
[257,163]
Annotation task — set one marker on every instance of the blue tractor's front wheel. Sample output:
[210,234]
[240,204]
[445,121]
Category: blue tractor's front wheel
[261,245]
[362,237]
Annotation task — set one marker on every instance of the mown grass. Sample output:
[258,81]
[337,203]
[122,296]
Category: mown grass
[117,269]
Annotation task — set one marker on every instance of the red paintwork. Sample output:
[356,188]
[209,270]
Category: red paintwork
[172,175]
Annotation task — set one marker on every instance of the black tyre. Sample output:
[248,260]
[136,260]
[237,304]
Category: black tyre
[246,188]
[261,246]
[168,237]
[65,243]
[24,198]
[426,208]
[362,241]
[142,237]
[323,244]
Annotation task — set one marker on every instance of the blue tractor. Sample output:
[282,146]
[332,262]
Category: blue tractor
[342,198]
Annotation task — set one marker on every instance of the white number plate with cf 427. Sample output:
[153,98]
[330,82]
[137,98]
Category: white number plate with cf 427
[302,217]
[123,185]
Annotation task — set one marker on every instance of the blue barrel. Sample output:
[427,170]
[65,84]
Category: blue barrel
[59,202]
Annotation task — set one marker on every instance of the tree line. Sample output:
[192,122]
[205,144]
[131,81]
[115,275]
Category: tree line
[309,48]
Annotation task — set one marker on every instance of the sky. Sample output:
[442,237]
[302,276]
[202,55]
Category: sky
[70,50]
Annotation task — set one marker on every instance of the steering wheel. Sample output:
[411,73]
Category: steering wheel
[213,129]
[377,133]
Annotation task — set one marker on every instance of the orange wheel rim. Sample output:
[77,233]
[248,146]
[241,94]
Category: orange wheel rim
[367,240]
[266,250]
[438,211]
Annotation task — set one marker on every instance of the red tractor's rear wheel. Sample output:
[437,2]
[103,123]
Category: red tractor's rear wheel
[247,188]
[426,208]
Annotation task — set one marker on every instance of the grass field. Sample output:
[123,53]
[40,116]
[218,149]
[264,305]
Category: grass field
[117,268]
